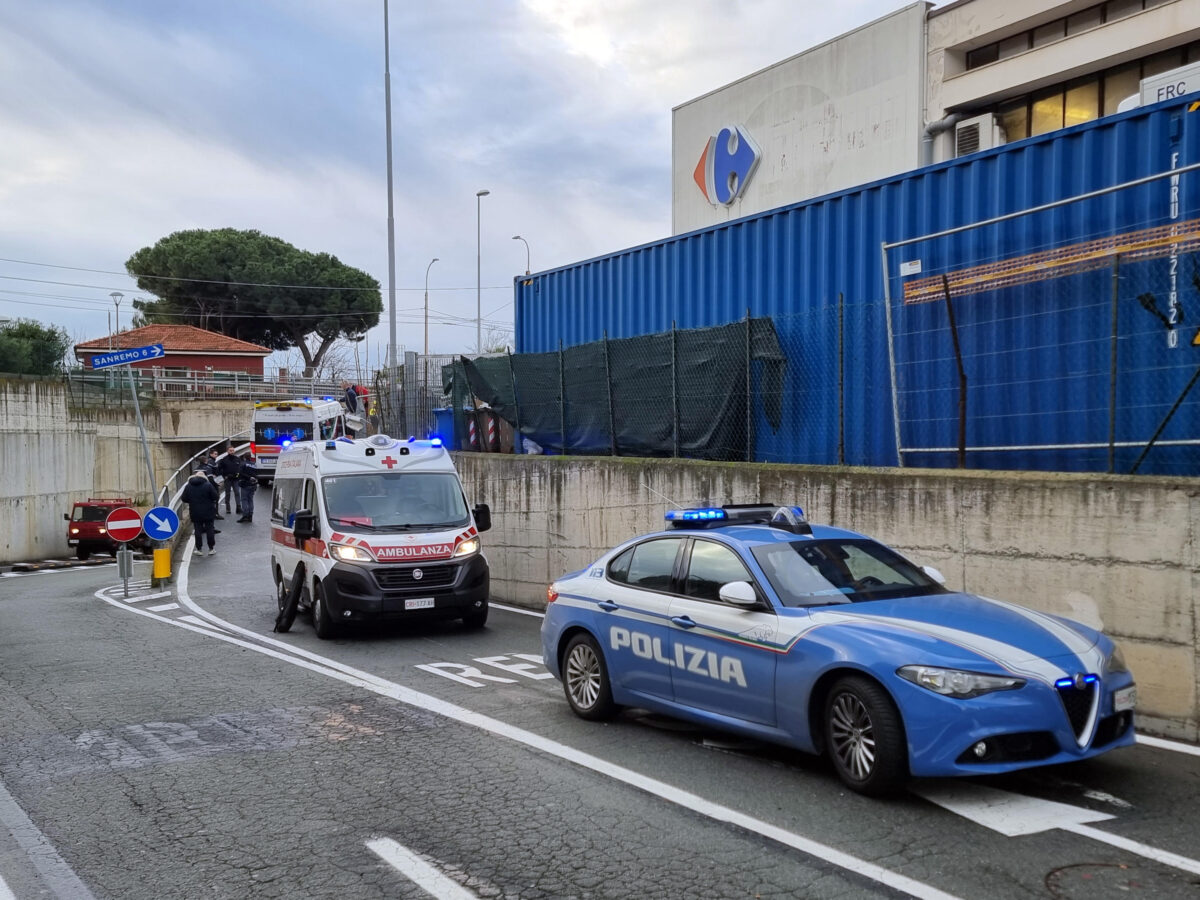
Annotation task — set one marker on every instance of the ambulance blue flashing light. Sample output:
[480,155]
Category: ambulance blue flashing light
[286,443]
[435,441]
[331,445]
[708,514]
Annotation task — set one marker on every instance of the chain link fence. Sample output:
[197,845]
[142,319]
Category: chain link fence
[1063,338]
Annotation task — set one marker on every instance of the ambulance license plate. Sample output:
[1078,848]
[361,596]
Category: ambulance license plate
[1125,698]
[419,603]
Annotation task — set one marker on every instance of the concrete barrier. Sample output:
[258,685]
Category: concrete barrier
[1115,552]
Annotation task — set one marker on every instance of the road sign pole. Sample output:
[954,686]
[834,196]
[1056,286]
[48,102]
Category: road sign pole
[125,565]
[137,408]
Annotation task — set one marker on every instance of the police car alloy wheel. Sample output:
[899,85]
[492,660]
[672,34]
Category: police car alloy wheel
[585,679]
[864,736]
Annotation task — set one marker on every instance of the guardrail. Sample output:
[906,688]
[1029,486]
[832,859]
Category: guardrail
[89,388]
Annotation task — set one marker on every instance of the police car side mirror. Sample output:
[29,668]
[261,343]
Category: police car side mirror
[739,593]
[483,516]
[304,525]
[934,574]
[66,517]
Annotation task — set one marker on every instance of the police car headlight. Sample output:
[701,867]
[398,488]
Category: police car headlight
[467,547]
[957,683]
[1116,661]
[347,553]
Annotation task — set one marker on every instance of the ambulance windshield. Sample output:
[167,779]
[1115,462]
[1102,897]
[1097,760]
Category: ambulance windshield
[395,501]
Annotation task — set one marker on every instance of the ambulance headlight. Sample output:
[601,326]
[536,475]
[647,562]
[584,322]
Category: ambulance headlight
[347,553]
[467,547]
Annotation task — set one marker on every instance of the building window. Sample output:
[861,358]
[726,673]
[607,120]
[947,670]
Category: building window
[1083,21]
[1162,62]
[1014,119]
[981,56]
[1082,103]
[1047,113]
[1050,32]
[1120,83]
[1018,43]
[1119,9]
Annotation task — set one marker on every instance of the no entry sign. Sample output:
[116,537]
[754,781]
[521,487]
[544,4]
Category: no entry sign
[123,524]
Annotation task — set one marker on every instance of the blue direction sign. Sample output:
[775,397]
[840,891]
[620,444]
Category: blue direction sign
[160,523]
[125,357]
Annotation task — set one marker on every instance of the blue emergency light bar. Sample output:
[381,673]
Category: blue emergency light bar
[1070,682]
[707,514]
[435,441]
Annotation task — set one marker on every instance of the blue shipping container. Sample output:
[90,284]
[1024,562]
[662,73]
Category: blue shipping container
[1056,367]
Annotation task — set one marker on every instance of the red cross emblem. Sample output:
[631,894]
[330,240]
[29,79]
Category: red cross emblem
[389,462]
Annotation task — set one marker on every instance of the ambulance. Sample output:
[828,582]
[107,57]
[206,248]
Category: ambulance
[280,423]
[377,529]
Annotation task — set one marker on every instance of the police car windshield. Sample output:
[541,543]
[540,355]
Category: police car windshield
[396,501]
[820,573]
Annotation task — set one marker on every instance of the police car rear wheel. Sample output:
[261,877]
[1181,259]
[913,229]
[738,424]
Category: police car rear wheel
[322,621]
[865,736]
[585,679]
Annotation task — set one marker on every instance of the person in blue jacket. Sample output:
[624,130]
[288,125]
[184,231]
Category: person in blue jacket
[247,487]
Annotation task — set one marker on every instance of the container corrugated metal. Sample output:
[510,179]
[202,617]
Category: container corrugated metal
[793,263]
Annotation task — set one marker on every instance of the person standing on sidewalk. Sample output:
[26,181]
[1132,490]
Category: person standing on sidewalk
[201,498]
[247,487]
[229,468]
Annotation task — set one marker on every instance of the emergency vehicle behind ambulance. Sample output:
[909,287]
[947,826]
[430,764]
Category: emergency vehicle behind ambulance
[377,529]
[280,423]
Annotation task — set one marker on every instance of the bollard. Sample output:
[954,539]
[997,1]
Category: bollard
[162,562]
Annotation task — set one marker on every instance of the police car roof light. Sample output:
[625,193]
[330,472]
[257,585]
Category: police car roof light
[791,518]
[331,445]
[692,518]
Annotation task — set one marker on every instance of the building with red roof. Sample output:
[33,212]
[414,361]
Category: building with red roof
[186,348]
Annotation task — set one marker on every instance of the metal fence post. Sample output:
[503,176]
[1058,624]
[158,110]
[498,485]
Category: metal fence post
[612,425]
[841,384]
[962,378]
[674,395]
[512,375]
[1112,368]
[749,404]
[562,398]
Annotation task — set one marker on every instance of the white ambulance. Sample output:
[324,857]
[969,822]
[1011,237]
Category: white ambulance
[377,529]
[280,423]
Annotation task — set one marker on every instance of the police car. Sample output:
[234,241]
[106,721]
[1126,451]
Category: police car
[752,620]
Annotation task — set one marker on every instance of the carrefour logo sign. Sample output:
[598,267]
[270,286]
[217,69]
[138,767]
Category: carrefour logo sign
[725,166]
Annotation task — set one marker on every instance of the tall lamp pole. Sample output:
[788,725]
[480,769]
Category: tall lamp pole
[427,268]
[117,297]
[391,222]
[479,195]
[517,237]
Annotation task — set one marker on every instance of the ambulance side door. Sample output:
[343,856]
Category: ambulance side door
[287,495]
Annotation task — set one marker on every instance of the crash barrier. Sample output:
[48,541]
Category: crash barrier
[87,388]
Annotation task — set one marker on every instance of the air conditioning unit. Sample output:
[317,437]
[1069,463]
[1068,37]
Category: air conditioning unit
[978,133]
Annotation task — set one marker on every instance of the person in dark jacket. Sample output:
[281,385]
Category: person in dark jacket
[212,470]
[247,487]
[201,498]
[229,467]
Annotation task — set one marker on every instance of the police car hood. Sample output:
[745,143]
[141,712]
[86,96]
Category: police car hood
[418,546]
[971,627]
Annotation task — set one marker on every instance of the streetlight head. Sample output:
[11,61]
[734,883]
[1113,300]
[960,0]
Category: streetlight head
[482,193]
[117,296]
[435,259]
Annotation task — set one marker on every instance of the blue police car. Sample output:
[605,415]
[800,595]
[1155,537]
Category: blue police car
[749,619]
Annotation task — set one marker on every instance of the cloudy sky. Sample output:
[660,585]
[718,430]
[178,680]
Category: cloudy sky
[122,121]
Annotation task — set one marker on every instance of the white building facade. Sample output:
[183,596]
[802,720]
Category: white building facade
[918,86]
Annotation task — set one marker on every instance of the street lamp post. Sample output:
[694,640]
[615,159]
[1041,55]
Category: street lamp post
[479,195]
[391,222]
[427,268]
[117,297]
[517,237]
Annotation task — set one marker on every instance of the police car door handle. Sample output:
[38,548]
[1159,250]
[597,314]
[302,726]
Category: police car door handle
[607,605]
[683,621]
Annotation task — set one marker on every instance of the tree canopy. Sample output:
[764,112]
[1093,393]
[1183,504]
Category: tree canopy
[30,348]
[257,288]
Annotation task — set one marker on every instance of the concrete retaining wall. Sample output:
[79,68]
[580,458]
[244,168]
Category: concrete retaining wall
[52,455]
[1114,552]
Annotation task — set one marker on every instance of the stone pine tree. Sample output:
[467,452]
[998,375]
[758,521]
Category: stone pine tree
[256,288]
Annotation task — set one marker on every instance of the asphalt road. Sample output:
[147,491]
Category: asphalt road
[174,746]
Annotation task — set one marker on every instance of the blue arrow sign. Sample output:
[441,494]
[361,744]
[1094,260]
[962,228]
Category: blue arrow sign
[125,357]
[160,523]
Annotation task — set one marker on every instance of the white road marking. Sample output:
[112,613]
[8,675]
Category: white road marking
[1163,856]
[193,620]
[1013,814]
[59,877]
[333,669]
[163,607]
[5,893]
[157,596]
[1163,744]
[418,871]
[518,610]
